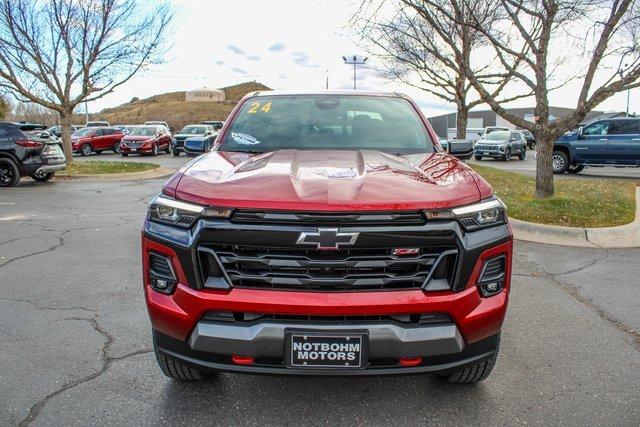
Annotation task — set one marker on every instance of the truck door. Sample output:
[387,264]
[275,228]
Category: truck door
[624,142]
[591,146]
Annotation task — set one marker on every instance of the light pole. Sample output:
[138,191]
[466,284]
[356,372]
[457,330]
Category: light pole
[628,90]
[355,60]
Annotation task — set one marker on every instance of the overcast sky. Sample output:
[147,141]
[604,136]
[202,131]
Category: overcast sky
[284,44]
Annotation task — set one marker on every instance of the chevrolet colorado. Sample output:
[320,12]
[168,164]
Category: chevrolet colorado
[327,234]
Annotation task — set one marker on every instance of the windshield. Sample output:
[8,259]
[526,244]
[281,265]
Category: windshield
[316,122]
[83,132]
[192,130]
[498,135]
[143,131]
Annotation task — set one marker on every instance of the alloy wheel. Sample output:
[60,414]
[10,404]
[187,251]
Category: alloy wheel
[557,162]
[6,174]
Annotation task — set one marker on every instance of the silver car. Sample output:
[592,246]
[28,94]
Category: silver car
[502,145]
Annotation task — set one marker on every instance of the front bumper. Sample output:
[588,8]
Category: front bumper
[139,150]
[491,151]
[210,362]
[385,340]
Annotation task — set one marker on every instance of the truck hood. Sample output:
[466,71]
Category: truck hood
[327,180]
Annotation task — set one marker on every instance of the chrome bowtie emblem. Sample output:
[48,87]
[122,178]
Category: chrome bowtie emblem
[327,239]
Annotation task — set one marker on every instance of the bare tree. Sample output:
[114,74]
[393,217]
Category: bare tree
[420,47]
[33,113]
[60,53]
[542,44]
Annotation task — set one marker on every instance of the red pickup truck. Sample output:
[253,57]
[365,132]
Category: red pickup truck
[328,233]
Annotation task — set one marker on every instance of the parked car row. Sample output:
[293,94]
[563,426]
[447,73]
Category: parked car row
[152,138]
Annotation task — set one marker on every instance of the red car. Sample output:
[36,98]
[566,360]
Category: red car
[96,140]
[327,234]
[146,140]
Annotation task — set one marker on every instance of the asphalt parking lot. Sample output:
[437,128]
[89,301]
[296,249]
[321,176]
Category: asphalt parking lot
[76,342]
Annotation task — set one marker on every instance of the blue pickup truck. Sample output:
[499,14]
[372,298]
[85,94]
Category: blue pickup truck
[607,142]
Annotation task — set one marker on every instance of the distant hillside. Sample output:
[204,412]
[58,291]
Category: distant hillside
[172,108]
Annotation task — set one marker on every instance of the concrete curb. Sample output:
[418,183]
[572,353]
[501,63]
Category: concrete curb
[128,176]
[623,236]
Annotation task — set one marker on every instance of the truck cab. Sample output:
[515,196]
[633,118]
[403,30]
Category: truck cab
[607,142]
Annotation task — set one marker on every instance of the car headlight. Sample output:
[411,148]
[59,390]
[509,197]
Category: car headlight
[166,210]
[488,213]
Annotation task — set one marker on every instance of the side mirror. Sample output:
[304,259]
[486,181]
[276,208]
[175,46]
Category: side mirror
[579,133]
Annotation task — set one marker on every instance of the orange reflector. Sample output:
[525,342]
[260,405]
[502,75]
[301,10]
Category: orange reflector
[243,360]
[415,361]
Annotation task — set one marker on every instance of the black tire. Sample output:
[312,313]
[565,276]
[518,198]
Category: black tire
[9,173]
[178,371]
[85,150]
[168,149]
[124,154]
[154,150]
[523,153]
[474,373]
[116,148]
[44,178]
[575,169]
[560,162]
[478,157]
[176,153]
[507,155]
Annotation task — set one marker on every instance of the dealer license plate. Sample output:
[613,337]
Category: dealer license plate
[133,150]
[326,350]
[486,153]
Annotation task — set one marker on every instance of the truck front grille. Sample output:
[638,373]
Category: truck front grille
[339,270]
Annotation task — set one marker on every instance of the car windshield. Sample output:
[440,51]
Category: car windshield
[143,131]
[193,130]
[498,135]
[316,122]
[83,132]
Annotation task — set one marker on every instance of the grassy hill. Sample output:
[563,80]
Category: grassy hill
[172,108]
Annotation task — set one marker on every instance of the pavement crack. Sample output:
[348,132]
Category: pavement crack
[52,248]
[39,307]
[571,290]
[107,360]
[579,269]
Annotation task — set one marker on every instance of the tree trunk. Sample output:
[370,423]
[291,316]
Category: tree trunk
[65,122]
[461,122]
[544,168]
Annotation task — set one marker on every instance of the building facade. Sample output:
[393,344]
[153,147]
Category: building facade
[204,95]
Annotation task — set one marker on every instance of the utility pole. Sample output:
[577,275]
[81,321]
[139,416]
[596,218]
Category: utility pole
[628,90]
[628,94]
[355,60]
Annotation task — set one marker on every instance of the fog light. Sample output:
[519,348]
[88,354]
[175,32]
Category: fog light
[492,287]
[160,284]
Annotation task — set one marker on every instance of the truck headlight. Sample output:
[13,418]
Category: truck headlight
[170,211]
[488,213]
